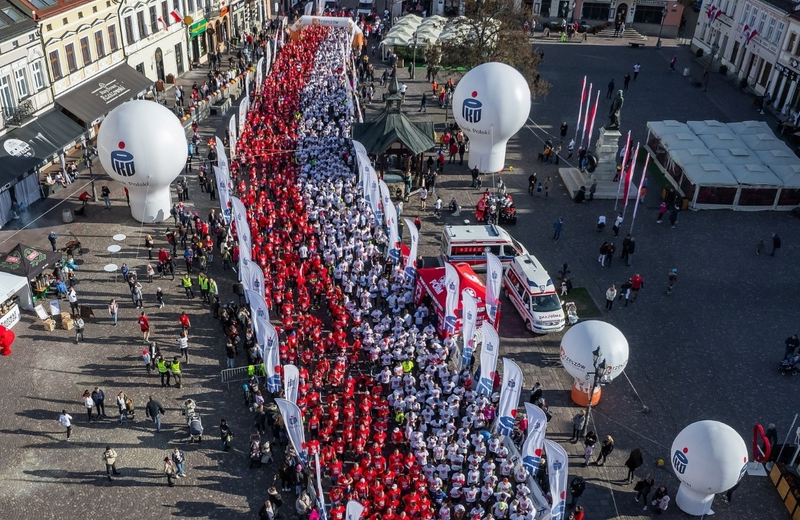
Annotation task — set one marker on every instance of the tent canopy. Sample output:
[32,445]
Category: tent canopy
[430,280]
[430,30]
[28,261]
[379,135]
[12,284]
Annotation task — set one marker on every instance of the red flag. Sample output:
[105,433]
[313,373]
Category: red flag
[178,17]
[580,108]
[591,125]
[629,175]
[641,187]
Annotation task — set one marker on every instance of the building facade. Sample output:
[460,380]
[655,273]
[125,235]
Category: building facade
[786,96]
[154,38]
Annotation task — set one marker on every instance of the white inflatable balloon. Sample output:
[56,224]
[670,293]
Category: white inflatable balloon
[583,338]
[490,104]
[708,457]
[143,145]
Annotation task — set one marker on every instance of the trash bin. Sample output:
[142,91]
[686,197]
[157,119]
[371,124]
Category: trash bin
[687,72]
[66,215]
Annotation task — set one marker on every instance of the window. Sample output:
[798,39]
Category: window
[762,22]
[753,16]
[13,14]
[2,23]
[72,62]
[64,21]
[129,30]
[22,83]
[99,45]
[179,57]
[80,15]
[648,14]
[6,99]
[595,11]
[42,4]
[165,14]
[190,5]
[779,32]
[38,76]
[153,20]
[141,25]
[770,29]
[112,38]
[55,65]
[49,27]
[792,41]
[94,9]
[86,52]
[745,14]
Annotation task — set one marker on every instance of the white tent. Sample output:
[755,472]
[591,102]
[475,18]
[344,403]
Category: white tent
[11,284]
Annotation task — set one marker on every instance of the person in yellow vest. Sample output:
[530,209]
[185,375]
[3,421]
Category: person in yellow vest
[202,281]
[161,365]
[187,286]
[175,368]
[408,366]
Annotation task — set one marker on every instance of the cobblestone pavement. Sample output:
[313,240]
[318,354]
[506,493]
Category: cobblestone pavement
[710,350]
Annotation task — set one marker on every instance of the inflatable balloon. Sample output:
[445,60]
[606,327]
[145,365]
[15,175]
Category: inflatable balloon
[143,145]
[490,104]
[577,355]
[7,337]
[708,457]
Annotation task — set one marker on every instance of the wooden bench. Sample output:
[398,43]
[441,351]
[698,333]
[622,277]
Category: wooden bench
[635,45]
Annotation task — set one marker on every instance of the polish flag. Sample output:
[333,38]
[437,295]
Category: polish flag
[178,17]
[745,30]
[750,37]
[161,20]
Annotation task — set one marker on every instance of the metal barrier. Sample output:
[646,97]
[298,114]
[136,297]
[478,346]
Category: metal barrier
[239,374]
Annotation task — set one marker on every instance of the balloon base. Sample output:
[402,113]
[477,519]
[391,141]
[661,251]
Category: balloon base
[581,398]
[5,351]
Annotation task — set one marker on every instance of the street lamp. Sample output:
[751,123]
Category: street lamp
[661,30]
[87,157]
[710,67]
[599,363]
[414,58]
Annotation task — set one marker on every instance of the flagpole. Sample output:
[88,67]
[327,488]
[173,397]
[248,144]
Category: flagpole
[628,179]
[639,194]
[591,125]
[580,109]
[624,162]
[586,115]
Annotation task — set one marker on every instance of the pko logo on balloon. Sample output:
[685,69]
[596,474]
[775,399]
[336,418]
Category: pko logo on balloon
[122,162]
[680,461]
[472,109]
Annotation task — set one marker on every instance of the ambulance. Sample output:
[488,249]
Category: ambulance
[531,290]
[469,244]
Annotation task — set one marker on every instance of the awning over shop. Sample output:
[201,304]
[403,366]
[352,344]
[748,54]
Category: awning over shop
[98,96]
[34,144]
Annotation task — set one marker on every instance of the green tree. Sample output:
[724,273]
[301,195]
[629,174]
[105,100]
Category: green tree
[493,30]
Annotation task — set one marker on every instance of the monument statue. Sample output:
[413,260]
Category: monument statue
[613,113]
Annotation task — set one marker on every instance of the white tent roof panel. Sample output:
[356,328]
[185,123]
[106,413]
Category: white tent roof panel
[750,127]
[788,173]
[754,175]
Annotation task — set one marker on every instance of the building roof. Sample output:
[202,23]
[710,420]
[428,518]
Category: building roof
[43,9]
[13,21]
[379,135]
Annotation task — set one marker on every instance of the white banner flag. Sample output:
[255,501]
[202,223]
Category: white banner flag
[291,380]
[354,510]
[410,267]
[453,291]
[258,307]
[222,157]
[374,194]
[494,279]
[232,134]
[223,192]
[320,492]
[267,337]
[386,198]
[469,311]
[259,74]
[532,448]
[509,397]
[243,233]
[489,352]
[244,106]
[252,276]
[294,427]
[557,468]
[393,246]
[269,56]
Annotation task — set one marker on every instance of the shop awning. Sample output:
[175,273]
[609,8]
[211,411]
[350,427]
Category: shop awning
[28,261]
[98,96]
[34,144]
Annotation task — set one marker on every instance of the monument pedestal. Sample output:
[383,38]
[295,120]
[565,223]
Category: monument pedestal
[606,152]
[573,179]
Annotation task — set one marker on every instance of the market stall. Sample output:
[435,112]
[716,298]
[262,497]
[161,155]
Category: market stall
[14,293]
[715,165]
[430,282]
[31,264]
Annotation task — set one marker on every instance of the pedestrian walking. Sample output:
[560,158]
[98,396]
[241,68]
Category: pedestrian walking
[52,237]
[532,180]
[635,460]
[144,326]
[175,369]
[163,371]
[153,411]
[88,403]
[138,297]
[672,63]
[563,130]
[611,294]
[558,225]
[603,253]
[628,248]
[760,246]
[225,434]
[66,421]
[72,297]
[127,195]
[605,450]
[105,193]
[186,281]
[588,442]
[122,405]
[578,513]
[548,183]
[183,345]
[673,215]
[792,342]
[170,471]
[776,244]
[610,253]
[462,149]
[154,352]
[626,81]
[179,459]
[610,89]
[729,494]
[671,279]
[79,327]
[423,197]
[625,291]
[636,69]
[637,283]
[536,393]
[110,460]
[160,297]
[185,323]
[617,225]
[99,398]
[437,207]
[576,489]
[660,500]
[578,424]
[113,309]
[423,104]
[592,190]
[661,211]
[643,488]
[147,360]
